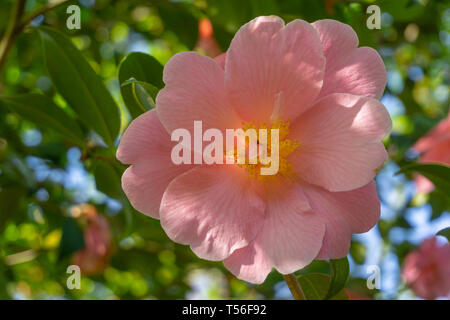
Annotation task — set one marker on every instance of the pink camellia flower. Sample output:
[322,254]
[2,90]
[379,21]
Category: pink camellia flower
[434,148]
[313,83]
[427,270]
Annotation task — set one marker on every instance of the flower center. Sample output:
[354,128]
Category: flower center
[285,148]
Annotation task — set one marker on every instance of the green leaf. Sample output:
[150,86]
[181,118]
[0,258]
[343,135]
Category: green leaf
[224,12]
[72,238]
[439,174]
[143,68]
[315,287]
[107,179]
[79,85]
[179,18]
[144,94]
[445,233]
[45,113]
[439,204]
[339,271]
[402,10]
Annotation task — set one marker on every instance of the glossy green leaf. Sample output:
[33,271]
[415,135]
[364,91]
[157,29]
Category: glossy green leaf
[80,86]
[107,179]
[315,287]
[339,271]
[142,68]
[445,233]
[144,94]
[45,113]
[439,174]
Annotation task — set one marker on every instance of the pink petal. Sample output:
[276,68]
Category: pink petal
[266,58]
[213,209]
[439,153]
[344,213]
[144,183]
[439,134]
[289,240]
[145,137]
[423,185]
[340,140]
[435,148]
[349,69]
[146,144]
[292,233]
[194,91]
[220,59]
[249,263]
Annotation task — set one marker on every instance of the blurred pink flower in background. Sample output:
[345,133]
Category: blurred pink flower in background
[95,256]
[434,147]
[206,42]
[313,83]
[356,295]
[427,270]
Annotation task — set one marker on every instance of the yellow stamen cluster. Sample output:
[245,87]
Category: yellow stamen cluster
[286,147]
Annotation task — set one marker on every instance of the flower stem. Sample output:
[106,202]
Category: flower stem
[294,286]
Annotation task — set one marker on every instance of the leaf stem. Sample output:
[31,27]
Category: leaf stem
[17,23]
[294,286]
[30,17]
[11,32]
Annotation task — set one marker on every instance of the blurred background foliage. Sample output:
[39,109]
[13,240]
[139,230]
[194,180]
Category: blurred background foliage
[49,171]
